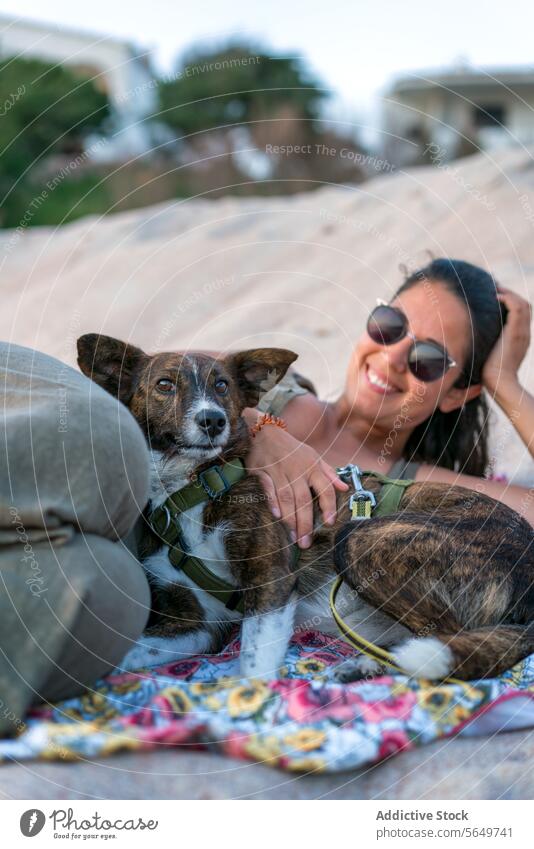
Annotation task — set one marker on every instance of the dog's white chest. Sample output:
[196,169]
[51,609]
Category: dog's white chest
[208,546]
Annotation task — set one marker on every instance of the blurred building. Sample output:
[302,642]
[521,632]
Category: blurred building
[115,66]
[446,115]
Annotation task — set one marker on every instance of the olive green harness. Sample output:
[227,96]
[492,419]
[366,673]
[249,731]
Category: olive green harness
[209,485]
[215,482]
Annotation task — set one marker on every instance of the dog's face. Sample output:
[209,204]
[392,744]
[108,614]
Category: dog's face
[187,404]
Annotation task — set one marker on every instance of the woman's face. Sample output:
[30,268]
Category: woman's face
[381,388]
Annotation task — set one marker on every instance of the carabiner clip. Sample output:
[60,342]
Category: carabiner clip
[361,503]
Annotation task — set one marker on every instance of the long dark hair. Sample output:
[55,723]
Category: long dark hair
[459,440]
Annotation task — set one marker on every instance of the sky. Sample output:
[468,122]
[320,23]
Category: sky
[356,47]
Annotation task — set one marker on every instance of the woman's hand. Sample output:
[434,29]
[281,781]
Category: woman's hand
[500,369]
[289,471]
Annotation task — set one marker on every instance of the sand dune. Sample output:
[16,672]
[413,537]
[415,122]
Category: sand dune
[297,271]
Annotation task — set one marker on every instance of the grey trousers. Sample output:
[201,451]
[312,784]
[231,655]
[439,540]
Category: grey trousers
[73,480]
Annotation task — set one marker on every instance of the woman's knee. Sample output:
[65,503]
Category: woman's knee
[111,592]
[70,613]
[118,466]
[73,454]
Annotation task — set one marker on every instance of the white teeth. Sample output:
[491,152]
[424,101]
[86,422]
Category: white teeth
[375,380]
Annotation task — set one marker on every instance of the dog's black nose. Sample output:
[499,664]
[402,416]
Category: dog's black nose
[212,422]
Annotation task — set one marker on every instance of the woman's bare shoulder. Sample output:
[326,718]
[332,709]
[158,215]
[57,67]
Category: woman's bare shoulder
[305,417]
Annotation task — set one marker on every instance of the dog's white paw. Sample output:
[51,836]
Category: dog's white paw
[264,641]
[157,651]
[259,664]
[357,669]
[140,657]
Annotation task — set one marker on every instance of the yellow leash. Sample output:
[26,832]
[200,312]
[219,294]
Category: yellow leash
[364,511]
[355,639]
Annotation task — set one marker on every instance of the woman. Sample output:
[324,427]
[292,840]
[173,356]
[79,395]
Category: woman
[414,391]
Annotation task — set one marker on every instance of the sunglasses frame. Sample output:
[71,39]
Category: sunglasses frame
[450,363]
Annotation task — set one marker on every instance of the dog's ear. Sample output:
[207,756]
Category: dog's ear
[110,363]
[258,370]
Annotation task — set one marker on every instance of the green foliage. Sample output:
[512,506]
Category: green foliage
[44,109]
[214,88]
[72,198]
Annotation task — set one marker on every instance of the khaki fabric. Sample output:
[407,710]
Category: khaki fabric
[276,399]
[73,480]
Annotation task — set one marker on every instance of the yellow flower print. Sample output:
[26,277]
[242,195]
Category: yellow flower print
[399,689]
[310,666]
[306,740]
[212,703]
[436,700]
[125,687]
[457,714]
[263,750]
[178,700]
[247,699]
[514,676]
[441,703]
[120,742]
[95,706]
[57,746]
[470,692]
[306,765]
[203,688]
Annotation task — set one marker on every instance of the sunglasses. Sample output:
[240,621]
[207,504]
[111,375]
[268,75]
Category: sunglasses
[427,360]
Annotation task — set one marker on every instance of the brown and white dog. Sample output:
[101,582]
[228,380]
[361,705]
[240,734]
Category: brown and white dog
[447,583]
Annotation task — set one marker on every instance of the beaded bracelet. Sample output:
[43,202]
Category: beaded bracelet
[267,419]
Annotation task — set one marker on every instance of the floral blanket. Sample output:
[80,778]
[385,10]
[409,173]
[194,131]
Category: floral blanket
[304,721]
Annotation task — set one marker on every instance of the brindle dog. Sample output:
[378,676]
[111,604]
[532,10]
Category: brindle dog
[447,582]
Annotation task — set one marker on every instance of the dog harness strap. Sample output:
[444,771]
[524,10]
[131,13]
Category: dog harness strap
[206,580]
[165,522]
[390,495]
[211,483]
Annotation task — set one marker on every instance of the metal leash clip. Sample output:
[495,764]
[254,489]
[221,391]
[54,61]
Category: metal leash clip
[362,501]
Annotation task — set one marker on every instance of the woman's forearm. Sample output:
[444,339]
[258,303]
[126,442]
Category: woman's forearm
[518,405]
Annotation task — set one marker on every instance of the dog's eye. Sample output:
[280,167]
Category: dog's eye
[165,385]
[221,387]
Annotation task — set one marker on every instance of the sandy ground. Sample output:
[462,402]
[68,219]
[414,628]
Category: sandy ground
[498,767]
[300,272]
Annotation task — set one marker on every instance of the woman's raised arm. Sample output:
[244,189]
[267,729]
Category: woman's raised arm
[500,373]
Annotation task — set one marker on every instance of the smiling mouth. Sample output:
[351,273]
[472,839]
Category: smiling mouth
[378,382]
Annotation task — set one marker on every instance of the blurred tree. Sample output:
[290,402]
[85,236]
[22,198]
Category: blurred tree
[246,121]
[44,109]
[235,84]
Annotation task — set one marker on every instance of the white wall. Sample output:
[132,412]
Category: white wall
[444,116]
[114,64]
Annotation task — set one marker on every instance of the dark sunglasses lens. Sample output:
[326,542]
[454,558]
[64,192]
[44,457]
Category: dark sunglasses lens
[427,362]
[386,325]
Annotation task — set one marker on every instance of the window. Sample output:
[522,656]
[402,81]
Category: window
[490,115]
